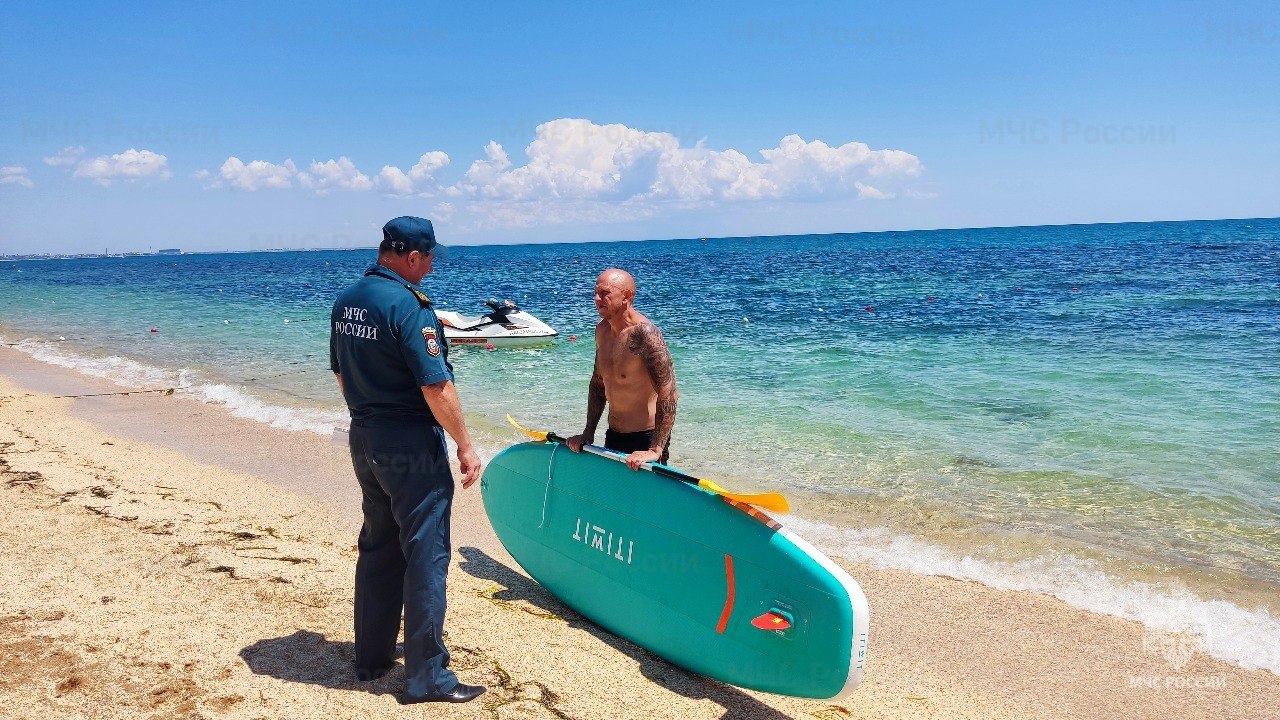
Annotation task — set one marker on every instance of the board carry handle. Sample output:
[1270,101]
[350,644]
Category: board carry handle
[775,502]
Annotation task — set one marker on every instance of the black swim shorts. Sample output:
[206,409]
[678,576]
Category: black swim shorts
[634,441]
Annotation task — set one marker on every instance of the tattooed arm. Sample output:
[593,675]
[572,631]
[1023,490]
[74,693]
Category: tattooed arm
[595,408]
[646,342]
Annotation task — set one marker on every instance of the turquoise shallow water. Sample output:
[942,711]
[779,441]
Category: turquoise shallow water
[1102,394]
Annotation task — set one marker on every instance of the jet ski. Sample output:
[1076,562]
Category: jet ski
[505,326]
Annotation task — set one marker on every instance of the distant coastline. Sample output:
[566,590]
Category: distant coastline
[12,257]
[160,253]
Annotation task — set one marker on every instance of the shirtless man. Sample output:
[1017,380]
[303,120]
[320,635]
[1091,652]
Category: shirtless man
[633,375]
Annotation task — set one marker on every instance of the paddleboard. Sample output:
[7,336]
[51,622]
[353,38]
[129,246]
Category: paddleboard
[714,586]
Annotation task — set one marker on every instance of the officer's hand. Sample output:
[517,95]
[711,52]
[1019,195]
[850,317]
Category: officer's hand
[576,442]
[470,465]
[640,457]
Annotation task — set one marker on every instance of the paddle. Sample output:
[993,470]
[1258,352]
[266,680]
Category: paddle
[769,501]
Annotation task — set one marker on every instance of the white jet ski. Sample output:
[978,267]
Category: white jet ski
[506,326]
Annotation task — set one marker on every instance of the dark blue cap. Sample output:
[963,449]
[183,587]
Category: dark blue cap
[409,233]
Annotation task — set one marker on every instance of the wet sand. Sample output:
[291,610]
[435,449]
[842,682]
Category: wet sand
[162,558]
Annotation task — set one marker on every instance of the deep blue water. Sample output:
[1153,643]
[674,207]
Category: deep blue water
[1107,391]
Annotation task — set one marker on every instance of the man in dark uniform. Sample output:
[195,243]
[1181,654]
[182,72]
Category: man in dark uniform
[391,359]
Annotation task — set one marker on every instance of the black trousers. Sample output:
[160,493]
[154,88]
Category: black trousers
[404,551]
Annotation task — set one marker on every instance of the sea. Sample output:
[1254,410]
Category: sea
[1091,412]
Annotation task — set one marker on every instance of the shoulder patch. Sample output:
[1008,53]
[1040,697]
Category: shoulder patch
[429,337]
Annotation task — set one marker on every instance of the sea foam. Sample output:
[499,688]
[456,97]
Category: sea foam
[1248,638]
[242,404]
[122,371]
[133,375]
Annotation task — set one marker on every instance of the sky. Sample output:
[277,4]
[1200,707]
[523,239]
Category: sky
[248,126]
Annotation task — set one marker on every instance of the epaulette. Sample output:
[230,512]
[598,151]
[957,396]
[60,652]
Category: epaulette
[423,300]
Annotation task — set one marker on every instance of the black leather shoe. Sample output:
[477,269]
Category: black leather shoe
[371,674]
[460,694]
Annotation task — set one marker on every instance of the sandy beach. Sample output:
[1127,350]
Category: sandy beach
[165,559]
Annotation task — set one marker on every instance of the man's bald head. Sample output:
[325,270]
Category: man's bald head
[615,289]
[619,280]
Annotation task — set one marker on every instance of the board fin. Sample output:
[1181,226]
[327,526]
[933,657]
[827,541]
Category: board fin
[772,620]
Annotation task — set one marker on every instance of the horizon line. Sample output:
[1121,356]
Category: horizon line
[227,251]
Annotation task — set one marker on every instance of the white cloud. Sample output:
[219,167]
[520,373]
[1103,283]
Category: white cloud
[395,181]
[799,169]
[201,174]
[443,210]
[867,192]
[66,156]
[129,165]
[15,175]
[572,159]
[483,174]
[256,175]
[419,180]
[577,159]
[576,171]
[340,174]
[322,177]
[696,174]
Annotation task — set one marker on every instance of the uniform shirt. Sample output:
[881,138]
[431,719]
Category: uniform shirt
[386,343]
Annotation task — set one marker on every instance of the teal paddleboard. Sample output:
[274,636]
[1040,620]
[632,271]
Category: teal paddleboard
[715,587]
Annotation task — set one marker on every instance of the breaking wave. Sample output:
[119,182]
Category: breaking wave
[1248,638]
[134,375]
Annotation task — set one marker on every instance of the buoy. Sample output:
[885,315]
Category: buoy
[154,330]
[821,310]
[226,322]
[286,321]
[930,298]
[871,308]
[61,338]
[1018,289]
[979,296]
[746,321]
[573,338]
[1075,289]
[489,346]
